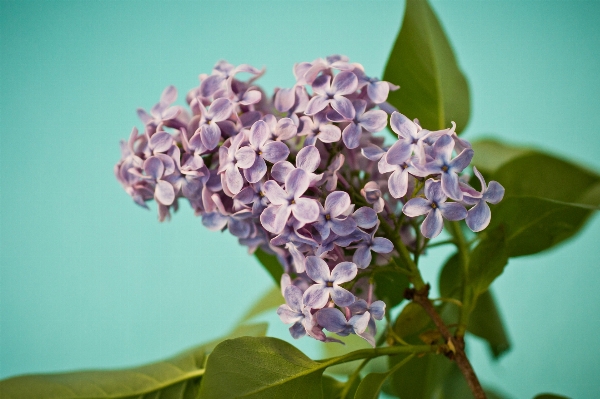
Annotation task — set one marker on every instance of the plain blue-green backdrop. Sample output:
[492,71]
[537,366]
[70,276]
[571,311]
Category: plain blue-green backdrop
[90,280]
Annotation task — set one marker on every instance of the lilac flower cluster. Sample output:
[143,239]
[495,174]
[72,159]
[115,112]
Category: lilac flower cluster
[302,176]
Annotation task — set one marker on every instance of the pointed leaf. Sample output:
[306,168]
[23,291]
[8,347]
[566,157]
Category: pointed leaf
[271,264]
[432,87]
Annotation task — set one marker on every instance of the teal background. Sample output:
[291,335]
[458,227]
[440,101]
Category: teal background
[90,280]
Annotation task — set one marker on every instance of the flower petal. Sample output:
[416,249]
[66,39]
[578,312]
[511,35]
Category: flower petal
[362,256]
[403,126]
[293,297]
[332,320]
[382,245]
[306,210]
[343,227]
[377,310]
[494,193]
[329,133]
[210,135]
[417,207]
[433,224]
[259,133]
[316,104]
[341,296]
[351,135]
[288,315]
[343,106]
[373,121]
[161,141]
[296,183]
[378,91]
[255,172]
[308,158]
[316,296]
[365,217]
[343,272]
[245,157]
[275,151]
[220,110]
[275,193]
[398,183]
[234,180]
[399,152]
[284,99]
[434,192]
[451,187]
[214,221]
[164,192]
[344,83]
[154,167]
[478,217]
[337,202]
[453,211]
[281,170]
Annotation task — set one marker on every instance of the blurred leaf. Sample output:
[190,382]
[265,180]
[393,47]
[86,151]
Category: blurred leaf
[490,154]
[550,396]
[269,300]
[533,224]
[422,377]
[271,263]
[412,320]
[352,343]
[390,286]
[260,368]
[432,87]
[485,322]
[333,388]
[591,196]
[541,175]
[487,260]
[178,377]
[371,385]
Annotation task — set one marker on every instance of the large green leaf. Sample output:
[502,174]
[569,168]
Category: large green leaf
[412,320]
[178,377]
[390,286]
[541,175]
[432,87]
[488,259]
[271,264]
[422,377]
[485,320]
[263,368]
[491,154]
[533,224]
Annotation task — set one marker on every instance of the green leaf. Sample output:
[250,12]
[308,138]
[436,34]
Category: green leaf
[271,263]
[432,87]
[370,386]
[178,377]
[491,154]
[487,260]
[550,396]
[533,224]
[270,300]
[411,320]
[485,322]
[332,388]
[541,175]
[390,286]
[422,377]
[265,367]
[351,343]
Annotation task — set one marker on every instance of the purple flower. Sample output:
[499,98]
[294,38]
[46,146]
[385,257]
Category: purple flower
[254,194]
[157,167]
[222,72]
[376,90]
[362,256]
[435,207]
[336,61]
[333,320]
[319,127]
[410,139]
[372,194]
[479,216]
[307,159]
[295,312]
[376,310]
[210,132]
[162,111]
[264,150]
[372,121]
[331,174]
[329,219]
[230,160]
[328,93]
[448,168]
[288,201]
[317,295]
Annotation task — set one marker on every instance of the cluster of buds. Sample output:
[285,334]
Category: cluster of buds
[302,176]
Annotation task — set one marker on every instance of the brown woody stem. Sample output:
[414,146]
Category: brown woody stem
[456,345]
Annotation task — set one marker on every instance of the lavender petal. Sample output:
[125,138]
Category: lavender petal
[478,217]
[275,151]
[351,135]
[433,224]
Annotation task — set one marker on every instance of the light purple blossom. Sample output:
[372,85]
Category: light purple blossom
[332,93]
[333,320]
[362,256]
[410,139]
[210,131]
[331,216]
[327,283]
[319,128]
[288,201]
[479,216]
[435,207]
[294,312]
[372,121]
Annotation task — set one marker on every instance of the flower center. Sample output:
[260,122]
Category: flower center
[433,205]
[328,217]
[444,168]
[329,284]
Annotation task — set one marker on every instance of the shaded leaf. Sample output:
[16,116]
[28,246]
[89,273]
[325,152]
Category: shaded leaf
[271,264]
[542,175]
[491,154]
[533,224]
[485,320]
[370,386]
[333,388]
[390,286]
[178,377]
[352,343]
[422,377]
[488,259]
[411,320]
[264,367]
[270,300]
[432,87]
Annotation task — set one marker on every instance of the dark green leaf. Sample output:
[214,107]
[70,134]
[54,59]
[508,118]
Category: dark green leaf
[250,367]
[178,377]
[485,322]
[270,263]
[487,260]
[351,343]
[541,175]
[390,286]
[534,224]
[432,87]
[371,385]
[411,320]
[269,300]
[490,154]
[422,377]
[332,388]
[550,396]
